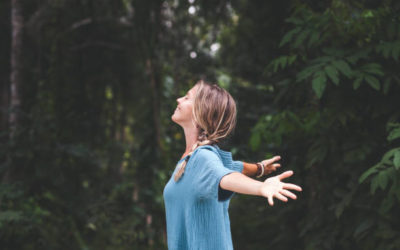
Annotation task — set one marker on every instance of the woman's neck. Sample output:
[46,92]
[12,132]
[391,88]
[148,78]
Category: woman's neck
[191,134]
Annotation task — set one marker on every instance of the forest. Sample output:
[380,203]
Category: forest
[87,90]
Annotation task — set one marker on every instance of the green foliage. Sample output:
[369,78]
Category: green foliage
[328,119]
[386,173]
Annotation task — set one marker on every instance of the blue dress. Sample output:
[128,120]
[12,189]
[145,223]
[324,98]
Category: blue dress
[196,207]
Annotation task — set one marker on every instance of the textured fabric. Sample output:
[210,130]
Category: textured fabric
[196,207]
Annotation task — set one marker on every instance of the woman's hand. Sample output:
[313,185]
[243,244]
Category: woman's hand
[273,187]
[270,165]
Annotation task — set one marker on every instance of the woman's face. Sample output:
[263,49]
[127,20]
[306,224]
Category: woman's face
[183,113]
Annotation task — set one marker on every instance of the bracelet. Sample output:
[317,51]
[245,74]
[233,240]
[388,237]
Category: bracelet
[260,165]
[259,169]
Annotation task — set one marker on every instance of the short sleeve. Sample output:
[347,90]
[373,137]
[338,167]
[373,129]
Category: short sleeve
[209,172]
[238,166]
[223,194]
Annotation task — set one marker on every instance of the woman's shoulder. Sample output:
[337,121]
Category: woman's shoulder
[206,153]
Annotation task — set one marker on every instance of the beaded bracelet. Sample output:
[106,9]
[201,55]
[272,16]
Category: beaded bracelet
[260,165]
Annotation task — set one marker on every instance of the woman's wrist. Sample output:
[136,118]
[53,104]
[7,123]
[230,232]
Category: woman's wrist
[260,170]
[254,169]
[249,169]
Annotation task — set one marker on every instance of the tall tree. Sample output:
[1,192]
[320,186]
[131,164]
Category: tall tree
[17,23]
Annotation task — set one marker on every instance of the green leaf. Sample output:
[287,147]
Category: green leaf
[283,61]
[374,185]
[313,38]
[275,64]
[365,225]
[373,68]
[386,86]
[307,72]
[373,82]
[382,179]
[343,67]
[396,160]
[332,74]
[343,204]
[300,38]
[291,59]
[394,134]
[255,140]
[386,205]
[357,83]
[367,173]
[396,51]
[288,36]
[319,83]
[388,155]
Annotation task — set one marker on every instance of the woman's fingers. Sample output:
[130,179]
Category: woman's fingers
[291,186]
[288,194]
[270,200]
[285,175]
[272,160]
[272,168]
[276,165]
[281,197]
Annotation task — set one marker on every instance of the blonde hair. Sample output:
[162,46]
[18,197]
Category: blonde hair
[214,114]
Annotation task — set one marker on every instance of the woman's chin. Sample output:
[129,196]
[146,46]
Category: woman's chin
[174,118]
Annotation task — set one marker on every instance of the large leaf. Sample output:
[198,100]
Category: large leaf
[307,72]
[382,179]
[343,67]
[396,159]
[314,37]
[300,38]
[319,83]
[373,68]
[367,173]
[362,227]
[288,36]
[394,133]
[373,82]
[332,74]
[357,83]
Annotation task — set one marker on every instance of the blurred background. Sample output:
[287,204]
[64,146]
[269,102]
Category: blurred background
[88,88]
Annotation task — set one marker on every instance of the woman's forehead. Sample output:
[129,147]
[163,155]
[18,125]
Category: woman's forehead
[192,91]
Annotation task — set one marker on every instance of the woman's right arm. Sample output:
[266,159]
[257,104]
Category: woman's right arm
[272,187]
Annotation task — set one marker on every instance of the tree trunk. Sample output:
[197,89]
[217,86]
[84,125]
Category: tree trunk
[155,103]
[16,74]
[16,64]
[4,103]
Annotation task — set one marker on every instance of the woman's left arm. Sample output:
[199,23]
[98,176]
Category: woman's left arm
[270,165]
[272,187]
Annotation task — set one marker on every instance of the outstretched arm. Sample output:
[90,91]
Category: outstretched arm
[270,165]
[272,187]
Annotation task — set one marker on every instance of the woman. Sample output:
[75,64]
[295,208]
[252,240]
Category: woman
[198,193]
